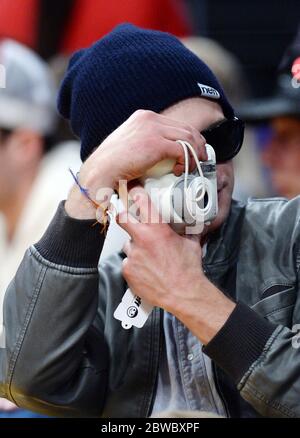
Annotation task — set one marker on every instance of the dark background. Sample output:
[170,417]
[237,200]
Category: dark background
[257,31]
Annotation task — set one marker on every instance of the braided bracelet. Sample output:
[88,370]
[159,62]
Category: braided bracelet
[85,193]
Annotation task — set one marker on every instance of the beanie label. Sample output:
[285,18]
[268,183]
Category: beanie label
[207,91]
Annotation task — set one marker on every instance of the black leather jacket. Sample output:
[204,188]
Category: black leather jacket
[65,355]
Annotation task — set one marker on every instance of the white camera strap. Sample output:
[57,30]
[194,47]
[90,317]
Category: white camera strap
[133,310]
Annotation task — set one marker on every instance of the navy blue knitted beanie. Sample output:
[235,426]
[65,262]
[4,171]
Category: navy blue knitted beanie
[130,69]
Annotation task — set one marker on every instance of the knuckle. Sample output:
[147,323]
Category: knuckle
[186,127]
[145,115]
[139,113]
[168,231]
[126,268]
[191,128]
[126,248]
[141,198]
[145,239]
[202,139]
[190,136]
[198,137]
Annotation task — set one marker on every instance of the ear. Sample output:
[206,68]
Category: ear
[25,148]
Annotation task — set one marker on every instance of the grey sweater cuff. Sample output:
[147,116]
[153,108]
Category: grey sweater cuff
[240,341]
[71,242]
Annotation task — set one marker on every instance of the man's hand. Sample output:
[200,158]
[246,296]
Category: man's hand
[166,270]
[144,140]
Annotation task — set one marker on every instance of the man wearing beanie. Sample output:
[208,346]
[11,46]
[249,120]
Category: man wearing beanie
[221,337]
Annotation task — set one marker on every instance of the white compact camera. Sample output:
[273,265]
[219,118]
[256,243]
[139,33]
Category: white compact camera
[186,203]
[188,200]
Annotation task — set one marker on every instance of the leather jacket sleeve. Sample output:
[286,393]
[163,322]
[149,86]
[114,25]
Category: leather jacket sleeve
[272,383]
[55,359]
[49,362]
[260,355]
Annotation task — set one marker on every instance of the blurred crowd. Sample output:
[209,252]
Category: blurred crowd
[262,79]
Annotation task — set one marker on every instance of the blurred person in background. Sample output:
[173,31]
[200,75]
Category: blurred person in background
[278,117]
[33,167]
[249,177]
[225,65]
[78,23]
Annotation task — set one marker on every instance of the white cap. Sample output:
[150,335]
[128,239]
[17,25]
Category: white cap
[28,91]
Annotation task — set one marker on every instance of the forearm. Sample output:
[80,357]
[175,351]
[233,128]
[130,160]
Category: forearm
[204,310]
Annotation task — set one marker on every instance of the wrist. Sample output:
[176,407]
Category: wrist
[78,207]
[90,195]
[204,310]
